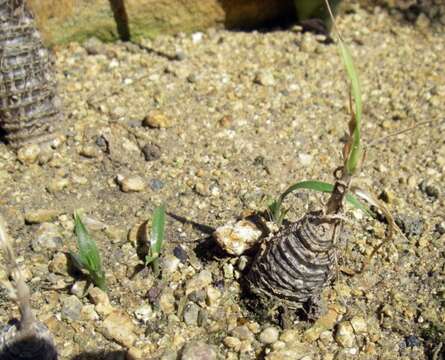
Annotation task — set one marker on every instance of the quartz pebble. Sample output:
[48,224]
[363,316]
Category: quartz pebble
[118,327]
[344,334]
[131,184]
[100,299]
[269,335]
[28,154]
[236,238]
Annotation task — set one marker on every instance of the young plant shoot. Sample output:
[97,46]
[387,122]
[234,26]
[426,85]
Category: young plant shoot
[156,239]
[88,258]
[297,263]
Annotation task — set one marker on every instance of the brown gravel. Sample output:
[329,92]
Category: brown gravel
[248,114]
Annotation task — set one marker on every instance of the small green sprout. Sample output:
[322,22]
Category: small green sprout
[88,257]
[277,212]
[156,239]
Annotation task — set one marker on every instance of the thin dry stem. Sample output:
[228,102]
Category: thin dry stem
[21,293]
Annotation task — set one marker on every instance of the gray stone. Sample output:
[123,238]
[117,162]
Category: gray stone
[198,350]
[48,237]
[191,313]
[71,308]
[151,152]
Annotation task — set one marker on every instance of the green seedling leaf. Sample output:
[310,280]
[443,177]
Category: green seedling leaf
[157,231]
[156,238]
[88,257]
[352,150]
[320,186]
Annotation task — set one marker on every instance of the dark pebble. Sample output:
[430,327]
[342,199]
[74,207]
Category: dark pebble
[429,190]
[219,284]
[151,152]
[197,296]
[440,228]
[102,143]
[156,184]
[410,226]
[412,341]
[180,253]
[153,294]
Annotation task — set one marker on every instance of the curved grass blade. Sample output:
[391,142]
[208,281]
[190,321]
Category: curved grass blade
[275,208]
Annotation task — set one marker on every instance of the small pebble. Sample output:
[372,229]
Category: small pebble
[132,184]
[57,185]
[79,288]
[41,216]
[59,264]
[170,264]
[242,332]
[345,334]
[156,184]
[89,151]
[359,325]
[412,341]
[305,159]
[180,253]
[190,315]
[236,238]
[151,152]
[47,237]
[213,296]
[71,307]
[167,302]
[440,228]
[269,335]
[198,350]
[119,327]
[28,154]
[100,299]
[157,120]
[265,78]
[430,190]
[232,343]
[144,313]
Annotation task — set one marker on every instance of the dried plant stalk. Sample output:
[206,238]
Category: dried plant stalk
[29,106]
[27,339]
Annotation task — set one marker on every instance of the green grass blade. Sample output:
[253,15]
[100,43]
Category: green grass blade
[157,230]
[319,186]
[355,153]
[88,252]
[353,77]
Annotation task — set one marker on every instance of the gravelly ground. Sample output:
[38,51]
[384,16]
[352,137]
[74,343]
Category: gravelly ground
[242,116]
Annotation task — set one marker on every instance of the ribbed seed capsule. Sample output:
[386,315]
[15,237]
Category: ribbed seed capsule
[29,108]
[297,263]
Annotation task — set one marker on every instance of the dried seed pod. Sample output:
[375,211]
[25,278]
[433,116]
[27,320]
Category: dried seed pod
[297,263]
[27,339]
[29,107]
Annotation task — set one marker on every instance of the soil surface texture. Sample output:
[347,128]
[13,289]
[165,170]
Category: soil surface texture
[215,125]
